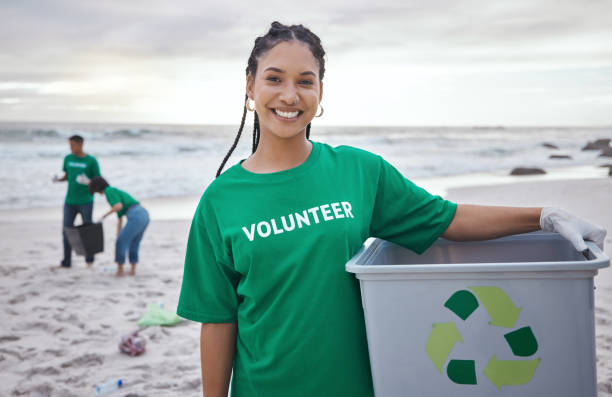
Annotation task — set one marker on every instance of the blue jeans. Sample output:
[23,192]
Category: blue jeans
[131,234]
[70,213]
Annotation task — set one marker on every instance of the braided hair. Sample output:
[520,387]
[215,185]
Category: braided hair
[277,33]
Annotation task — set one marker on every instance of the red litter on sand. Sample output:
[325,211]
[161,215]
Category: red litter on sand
[132,344]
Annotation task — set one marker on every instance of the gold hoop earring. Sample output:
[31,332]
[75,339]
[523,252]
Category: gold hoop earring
[322,111]
[247,103]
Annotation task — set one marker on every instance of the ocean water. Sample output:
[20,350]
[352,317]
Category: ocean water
[152,161]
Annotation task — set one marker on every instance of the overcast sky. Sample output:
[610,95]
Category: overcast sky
[428,62]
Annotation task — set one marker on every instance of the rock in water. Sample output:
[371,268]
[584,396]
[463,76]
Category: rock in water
[607,152]
[599,144]
[527,171]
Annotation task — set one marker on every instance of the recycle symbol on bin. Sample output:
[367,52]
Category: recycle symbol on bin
[504,313]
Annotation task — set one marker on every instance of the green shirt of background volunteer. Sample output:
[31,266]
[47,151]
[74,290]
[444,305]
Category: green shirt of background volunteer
[114,196]
[74,166]
[268,251]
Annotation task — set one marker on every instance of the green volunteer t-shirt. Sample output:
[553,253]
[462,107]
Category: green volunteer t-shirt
[114,196]
[74,166]
[268,251]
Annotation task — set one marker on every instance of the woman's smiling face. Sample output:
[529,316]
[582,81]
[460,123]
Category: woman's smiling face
[286,89]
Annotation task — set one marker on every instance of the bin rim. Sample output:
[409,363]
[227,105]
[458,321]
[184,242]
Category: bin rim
[598,260]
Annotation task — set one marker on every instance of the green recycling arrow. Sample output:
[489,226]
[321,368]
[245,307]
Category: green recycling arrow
[462,303]
[500,307]
[522,342]
[510,373]
[440,343]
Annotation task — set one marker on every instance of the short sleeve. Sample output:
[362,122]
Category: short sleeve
[112,196]
[65,166]
[95,168]
[208,293]
[407,214]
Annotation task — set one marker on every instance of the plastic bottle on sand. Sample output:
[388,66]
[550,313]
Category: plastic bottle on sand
[103,389]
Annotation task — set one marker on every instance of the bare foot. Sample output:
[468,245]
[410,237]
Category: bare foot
[89,265]
[119,271]
[133,270]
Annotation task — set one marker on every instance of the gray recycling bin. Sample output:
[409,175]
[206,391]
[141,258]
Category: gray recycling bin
[507,317]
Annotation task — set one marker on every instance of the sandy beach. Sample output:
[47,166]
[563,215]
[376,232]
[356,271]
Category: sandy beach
[61,328]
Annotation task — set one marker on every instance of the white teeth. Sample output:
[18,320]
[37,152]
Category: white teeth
[287,115]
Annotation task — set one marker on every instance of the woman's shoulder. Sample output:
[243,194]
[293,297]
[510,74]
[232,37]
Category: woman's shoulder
[351,153]
[111,190]
[217,190]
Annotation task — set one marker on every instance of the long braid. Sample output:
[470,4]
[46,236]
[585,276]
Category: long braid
[227,156]
[256,132]
[254,135]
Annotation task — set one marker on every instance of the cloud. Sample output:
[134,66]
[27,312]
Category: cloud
[227,29]
[77,51]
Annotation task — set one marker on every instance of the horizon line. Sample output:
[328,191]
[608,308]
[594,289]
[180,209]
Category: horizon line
[482,126]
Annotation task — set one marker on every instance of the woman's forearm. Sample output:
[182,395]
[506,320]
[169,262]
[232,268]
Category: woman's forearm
[217,349]
[115,208]
[479,222]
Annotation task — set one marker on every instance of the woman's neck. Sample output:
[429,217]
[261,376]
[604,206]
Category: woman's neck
[275,154]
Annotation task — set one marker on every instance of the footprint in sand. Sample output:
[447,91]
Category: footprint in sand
[152,294]
[135,395]
[191,384]
[66,298]
[11,270]
[13,312]
[180,351]
[86,360]
[164,385]
[70,319]
[49,371]
[43,389]
[9,338]
[144,367]
[12,353]
[39,325]
[185,368]
[17,299]
[54,352]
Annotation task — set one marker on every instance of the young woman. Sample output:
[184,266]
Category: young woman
[138,219]
[264,269]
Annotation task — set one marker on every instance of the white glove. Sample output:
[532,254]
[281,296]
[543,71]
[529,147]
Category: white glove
[55,178]
[574,229]
[82,179]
